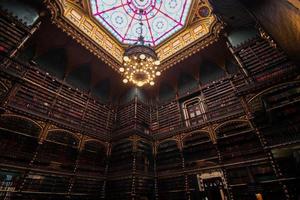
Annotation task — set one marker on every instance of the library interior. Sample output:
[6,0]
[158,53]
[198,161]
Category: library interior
[150,100]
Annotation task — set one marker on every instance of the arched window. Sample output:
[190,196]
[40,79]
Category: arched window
[194,111]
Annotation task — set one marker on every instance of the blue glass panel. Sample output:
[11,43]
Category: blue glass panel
[161,18]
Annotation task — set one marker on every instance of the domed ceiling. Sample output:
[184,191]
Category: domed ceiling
[160,19]
[176,28]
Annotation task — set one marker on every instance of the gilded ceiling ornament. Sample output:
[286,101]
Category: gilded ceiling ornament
[175,35]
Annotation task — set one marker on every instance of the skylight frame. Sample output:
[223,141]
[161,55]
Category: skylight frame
[156,13]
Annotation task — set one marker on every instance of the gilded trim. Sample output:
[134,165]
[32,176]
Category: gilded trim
[76,21]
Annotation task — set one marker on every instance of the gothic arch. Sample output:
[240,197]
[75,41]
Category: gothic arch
[9,122]
[68,137]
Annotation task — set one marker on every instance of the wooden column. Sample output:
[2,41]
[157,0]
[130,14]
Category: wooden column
[156,197]
[213,137]
[80,148]
[42,137]
[186,184]
[108,153]
[263,143]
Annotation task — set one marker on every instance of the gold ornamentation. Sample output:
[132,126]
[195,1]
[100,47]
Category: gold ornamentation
[73,18]
[140,65]
[193,48]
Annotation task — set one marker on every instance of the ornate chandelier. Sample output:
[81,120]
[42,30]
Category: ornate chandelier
[140,62]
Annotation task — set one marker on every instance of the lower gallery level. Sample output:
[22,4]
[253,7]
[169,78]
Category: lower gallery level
[221,122]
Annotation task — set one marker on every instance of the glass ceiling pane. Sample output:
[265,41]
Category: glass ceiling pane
[161,18]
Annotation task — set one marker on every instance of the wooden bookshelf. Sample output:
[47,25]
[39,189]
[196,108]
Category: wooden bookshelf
[171,188]
[39,182]
[19,140]
[119,189]
[90,187]
[199,151]
[59,151]
[144,157]
[44,96]
[237,142]
[221,100]
[126,114]
[264,62]
[143,187]
[168,157]
[121,158]
[276,114]
[12,32]
[165,117]
[92,159]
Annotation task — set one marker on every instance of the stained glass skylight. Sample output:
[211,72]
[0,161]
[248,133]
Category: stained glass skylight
[161,18]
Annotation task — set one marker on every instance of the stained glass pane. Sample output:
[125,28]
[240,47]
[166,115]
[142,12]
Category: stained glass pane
[161,18]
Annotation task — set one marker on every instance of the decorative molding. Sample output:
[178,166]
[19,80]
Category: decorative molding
[87,139]
[295,3]
[296,82]
[194,47]
[76,135]
[209,175]
[196,132]
[176,139]
[231,121]
[199,27]
[12,114]
[52,127]
[82,29]
[71,16]
[43,124]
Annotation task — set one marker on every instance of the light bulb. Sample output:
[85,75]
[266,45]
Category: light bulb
[122,69]
[158,73]
[125,80]
[152,83]
[140,84]
[142,56]
[157,62]
[126,58]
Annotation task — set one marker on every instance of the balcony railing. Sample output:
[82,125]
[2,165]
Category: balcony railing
[201,120]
